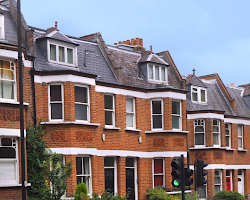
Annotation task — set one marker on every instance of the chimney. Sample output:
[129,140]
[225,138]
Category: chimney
[132,41]
[137,41]
[56,25]
[124,42]
[128,42]
[141,43]
[120,42]
[115,43]
[151,48]
[193,71]
[232,84]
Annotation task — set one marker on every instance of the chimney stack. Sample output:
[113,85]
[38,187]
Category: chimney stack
[56,25]
[151,49]
[128,42]
[115,43]
[137,41]
[140,42]
[132,41]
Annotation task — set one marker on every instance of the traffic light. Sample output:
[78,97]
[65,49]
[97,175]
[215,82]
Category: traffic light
[188,180]
[177,168]
[200,173]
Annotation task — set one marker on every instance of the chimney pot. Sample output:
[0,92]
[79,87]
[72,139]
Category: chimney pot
[115,43]
[151,49]
[132,41]
[56,25]
[128,42]
[120,42]
[124,42]
[137,41]
[232,83]
[141,43]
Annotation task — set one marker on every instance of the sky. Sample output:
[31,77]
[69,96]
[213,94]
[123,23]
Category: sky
[212,36]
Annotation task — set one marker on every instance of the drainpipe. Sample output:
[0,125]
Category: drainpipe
[32,73]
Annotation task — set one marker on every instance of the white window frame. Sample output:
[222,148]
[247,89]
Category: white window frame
[162,114]
[113,110]
[86,175]
[231,180]
[177,115]
[240,137]
[228,136]
[200,189]
[87,104]
[160,174]
[66,46]
[115,175]
[2,32]
[62,93]
[198,95]
[204,133]
[12,69]
[16,161]
[220,175]
[133,113]
[218,133]
[154,80]
[135,176]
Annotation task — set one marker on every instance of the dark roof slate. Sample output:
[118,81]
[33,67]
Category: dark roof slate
[193,80]
[152,58]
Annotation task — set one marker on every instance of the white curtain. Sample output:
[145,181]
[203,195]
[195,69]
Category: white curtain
[7,170]
[7,87]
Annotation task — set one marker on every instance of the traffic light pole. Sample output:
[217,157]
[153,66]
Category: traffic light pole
[183,178]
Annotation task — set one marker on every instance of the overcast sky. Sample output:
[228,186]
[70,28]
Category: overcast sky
[212,36]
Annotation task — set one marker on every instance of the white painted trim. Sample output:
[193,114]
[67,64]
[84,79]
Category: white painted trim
[64,78]
[224,166]
[143,95]
[71,122]
[2,35]
[205,116]
[12,102]
[237,121]
[7,132]
[167,131]
[122,153]
[13,55]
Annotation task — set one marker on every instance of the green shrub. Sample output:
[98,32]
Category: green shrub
[81,191]
[107,196]
[228,195]
[156,194]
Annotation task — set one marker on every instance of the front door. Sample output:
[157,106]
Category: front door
[240,182]
[228,183]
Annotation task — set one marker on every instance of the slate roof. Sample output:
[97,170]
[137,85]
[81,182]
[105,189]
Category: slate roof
[152,58]
[193,80]
[91,62]
[131,75]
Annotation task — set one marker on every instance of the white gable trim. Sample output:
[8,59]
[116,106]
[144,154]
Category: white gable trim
[205,115]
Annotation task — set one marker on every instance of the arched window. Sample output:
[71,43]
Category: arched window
[199,130]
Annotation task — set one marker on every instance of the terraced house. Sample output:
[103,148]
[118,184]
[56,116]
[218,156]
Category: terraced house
[120,113]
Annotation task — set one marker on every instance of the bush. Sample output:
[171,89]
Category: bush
[156,194]
[107,196]
[81,191]
[228,195]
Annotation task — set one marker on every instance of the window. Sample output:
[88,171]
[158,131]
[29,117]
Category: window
[199,94]
[130,112]
[8,160]
[157,73]
[131,176]
[56,102]
[83,171]
[157,114]
[240,136]
[216,132]
[217,181]
[176,115]
[199,131]
[62,53]
[7,80]
[2,27]
[110,175]
[158,172]
[109,110]
[81,103]
[228,135]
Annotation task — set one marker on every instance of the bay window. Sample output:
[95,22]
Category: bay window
[81,103]
[157,114]
[56,101]
[158,172]
[8,160]
[199,131]
[176,115]
[7,80]
[130,112]
[83,171]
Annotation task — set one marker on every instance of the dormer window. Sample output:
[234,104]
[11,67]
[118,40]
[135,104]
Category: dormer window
[199,94]
[157,73]
[1,27]
[62,53]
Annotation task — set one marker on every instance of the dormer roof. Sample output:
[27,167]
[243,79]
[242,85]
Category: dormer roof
[151,57]
[193,80]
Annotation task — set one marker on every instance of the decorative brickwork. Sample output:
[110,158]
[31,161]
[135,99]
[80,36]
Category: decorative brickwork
[178,141]
[200,155]
[57,135]
[84,136]
[158,142]
[218,155]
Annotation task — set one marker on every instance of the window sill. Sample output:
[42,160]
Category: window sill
[132,129]
[13,185]
[13,102]
[111,127]
[229,149]
[194,148]
[201,103]
[242,150]
[167,131]
[71,122]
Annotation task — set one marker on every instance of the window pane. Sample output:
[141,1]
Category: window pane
[199,129]
[55,93]
[227,141]
[215,129]
[129,119]
[227,132]
[163,78]
[217,180]
[129,162]
[108,118]
[108,99]
[157,73]
[81,94]
[216,139]
[239,130]
[158,180]
[175,122]
[199,139]
[86,165]
[61,54]
[175,107]
[227,172]
[56,111]
[194,96]
[6,142]
[202,192]
[129,105]
[217,189]
[81,112]
[70,55]
[109,180]
[6,89]
[156,106]
[203,97]
[8,171]
[157,121]
[150,73]
[7,152]
[158,166]
[78,165]
[239,142]
[53,52]
[109,162]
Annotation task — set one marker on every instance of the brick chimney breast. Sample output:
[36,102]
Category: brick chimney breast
[56,25]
